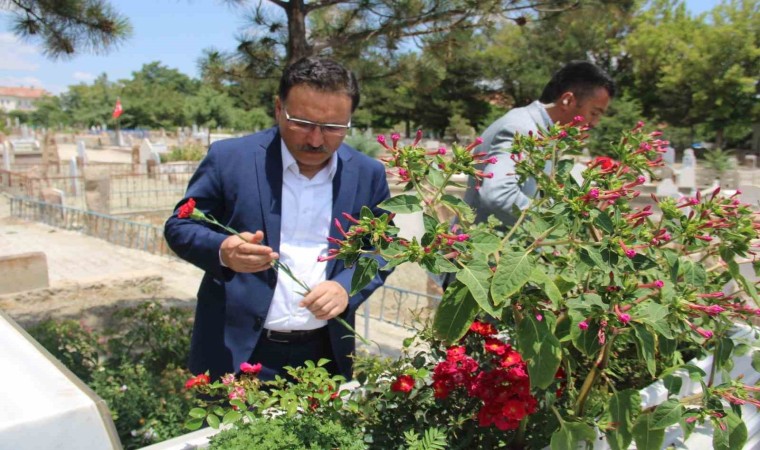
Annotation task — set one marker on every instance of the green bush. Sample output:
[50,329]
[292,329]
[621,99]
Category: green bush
[146,407]
[73,345]
[305,432]
[365,144]
[189,152]
[151,335]
[138,372]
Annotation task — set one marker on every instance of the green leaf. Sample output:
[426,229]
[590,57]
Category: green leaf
[571,435]
[459,206]
[232,416]
[737,430]
[645,347]
[485,243]
[551,290]
[646,437]
[213,421]
[197,413]
[584,340]
[540,349]
[402,204]
[564,167]
[723,351]
[366,213]
[667,413]
[642,262]
[443,265]
[564,284]
[603,221]
[591,257]
[623,407]
[734,436]
[655,315]
[693,273]
[756,360]
[562,439]
[673,384]
[193,424]
[512,273]
[674,263]
[436,178]
[476,276]
[364,273]
[455,313]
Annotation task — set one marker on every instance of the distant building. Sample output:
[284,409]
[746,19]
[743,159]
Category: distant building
[20,98]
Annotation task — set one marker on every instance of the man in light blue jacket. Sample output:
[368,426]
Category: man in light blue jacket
[578,89]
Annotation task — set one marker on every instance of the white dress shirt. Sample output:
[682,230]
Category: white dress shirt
[304,228]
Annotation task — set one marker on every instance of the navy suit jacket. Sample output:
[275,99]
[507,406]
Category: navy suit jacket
[239,183]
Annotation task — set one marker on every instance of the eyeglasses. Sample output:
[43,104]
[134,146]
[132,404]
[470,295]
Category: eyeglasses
[307,126]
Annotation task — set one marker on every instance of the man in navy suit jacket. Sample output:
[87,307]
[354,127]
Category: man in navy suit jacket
[264,186]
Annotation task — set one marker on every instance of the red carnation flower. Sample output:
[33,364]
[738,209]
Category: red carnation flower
[199,380]
[186,210]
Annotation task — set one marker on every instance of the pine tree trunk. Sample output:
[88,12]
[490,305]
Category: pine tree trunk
[298,47]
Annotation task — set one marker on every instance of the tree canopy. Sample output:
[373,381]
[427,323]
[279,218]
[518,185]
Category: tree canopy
[66,27]
[451,68]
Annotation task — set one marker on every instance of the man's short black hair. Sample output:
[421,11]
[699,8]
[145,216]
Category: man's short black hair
[322,74]
[581,78]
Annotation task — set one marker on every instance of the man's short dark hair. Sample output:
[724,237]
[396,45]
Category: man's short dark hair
[581,78]
[321,74]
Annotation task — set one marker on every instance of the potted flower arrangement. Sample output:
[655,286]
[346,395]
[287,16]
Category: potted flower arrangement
[549,329]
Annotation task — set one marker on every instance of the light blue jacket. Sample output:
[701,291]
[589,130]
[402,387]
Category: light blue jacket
[498,195]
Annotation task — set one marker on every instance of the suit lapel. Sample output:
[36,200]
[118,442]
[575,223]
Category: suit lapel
[269,179]
[345,185]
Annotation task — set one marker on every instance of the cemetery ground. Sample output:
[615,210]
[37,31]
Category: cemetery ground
[89,279]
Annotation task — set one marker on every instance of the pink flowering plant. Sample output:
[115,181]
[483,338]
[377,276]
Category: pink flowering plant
[594,292]
[549,329]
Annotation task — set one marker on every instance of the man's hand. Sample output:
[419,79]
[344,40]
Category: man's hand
[247,257]
[327,300]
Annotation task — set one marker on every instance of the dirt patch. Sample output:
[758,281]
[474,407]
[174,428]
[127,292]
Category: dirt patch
[92,303]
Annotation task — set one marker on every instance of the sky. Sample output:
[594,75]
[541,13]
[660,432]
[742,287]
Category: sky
[174,32]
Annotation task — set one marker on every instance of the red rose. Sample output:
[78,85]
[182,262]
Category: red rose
[187,209]
[404,383]
[483,328]
[250,368]
[199,380]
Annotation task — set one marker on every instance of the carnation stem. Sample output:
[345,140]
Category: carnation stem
[280,266]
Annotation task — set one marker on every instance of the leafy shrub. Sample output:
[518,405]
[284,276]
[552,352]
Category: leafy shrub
[187,152]
[297,432]
[364,144]
[138,372]
[151,335]
[146,407]
[72,344]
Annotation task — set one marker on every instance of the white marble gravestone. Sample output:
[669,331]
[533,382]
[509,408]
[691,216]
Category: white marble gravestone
[43,404]
[82,151]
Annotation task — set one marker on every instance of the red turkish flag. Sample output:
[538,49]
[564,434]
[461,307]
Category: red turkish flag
[117,110]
